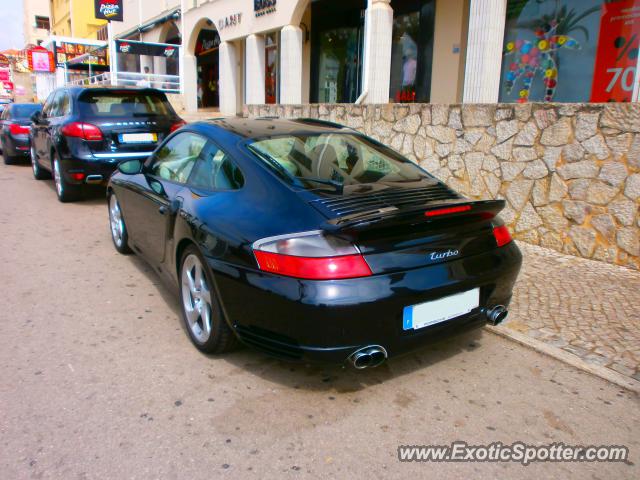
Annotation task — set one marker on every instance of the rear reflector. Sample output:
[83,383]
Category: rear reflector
[310,255]
[16,129]
[177,125]
[502,235]
[82,130]
[447,210]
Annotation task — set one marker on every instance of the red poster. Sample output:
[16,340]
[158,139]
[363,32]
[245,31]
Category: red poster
[617,55]
[4,75]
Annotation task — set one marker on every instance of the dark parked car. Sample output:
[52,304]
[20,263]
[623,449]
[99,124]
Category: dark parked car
[311,241]
[83,133]
[15,122]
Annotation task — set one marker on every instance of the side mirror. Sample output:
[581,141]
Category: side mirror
[35,116]
[130,167]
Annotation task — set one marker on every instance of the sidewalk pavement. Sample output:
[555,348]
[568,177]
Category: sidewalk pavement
[581,311]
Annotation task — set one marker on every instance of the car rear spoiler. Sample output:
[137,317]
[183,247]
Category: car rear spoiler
[485,209]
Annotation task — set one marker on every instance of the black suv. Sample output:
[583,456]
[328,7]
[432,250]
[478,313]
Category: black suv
[83,133]
[14,130]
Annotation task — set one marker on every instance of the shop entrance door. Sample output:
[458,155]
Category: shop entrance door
[208,66]
[336,50]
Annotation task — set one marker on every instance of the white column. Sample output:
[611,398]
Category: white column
[376,68]
[484,50]
[255,69]
[189,74]
[291,65]
[228,78]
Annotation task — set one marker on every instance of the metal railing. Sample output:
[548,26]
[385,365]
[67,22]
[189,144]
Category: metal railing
[166,83]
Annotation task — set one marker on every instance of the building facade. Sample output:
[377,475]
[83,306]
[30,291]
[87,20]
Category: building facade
[74,18]
[238,52]
[36,21]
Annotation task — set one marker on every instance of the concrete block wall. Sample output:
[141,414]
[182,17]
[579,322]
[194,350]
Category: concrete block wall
[570,173]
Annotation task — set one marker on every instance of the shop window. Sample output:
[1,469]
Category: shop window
[412,50]
[271,68]
[570,51]
[336,50]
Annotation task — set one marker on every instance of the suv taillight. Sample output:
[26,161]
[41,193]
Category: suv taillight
[82,130]
[16,129]
[310,255]
[177,125]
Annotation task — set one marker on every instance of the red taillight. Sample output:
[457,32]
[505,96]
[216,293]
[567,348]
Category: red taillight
[82,130]
[310,255]
[177,125]
[16,129]
[447,210]
[322,268]
[77,176]
[502,235]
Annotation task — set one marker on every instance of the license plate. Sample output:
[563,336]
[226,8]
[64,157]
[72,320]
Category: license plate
[441,310]
[138,138]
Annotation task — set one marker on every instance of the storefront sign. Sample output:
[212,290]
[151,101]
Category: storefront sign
[4,61]
[617,54]
[4,75]
[110,10]
[262,7]
[207,40]
[40,60]
[230,21]
[150,49]
[8,86]
[66,51]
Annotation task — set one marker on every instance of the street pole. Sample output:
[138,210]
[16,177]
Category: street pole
[113,55]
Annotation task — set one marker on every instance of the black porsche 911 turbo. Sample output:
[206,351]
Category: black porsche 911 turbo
[308,240]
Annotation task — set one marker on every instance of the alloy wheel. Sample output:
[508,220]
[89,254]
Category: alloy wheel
[196,298]
[57,177]
[115,219]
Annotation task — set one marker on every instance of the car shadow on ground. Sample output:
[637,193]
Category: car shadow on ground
[317,377]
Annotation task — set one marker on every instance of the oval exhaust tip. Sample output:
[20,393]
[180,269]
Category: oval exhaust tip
[370,356]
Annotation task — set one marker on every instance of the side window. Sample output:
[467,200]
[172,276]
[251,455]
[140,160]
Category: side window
[46,110]
[64,107]
[216,171]
[175,160]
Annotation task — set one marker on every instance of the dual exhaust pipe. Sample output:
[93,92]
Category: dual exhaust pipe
[374,355]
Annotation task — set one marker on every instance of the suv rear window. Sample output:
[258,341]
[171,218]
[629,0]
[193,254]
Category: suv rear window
[25,110]
[122,104]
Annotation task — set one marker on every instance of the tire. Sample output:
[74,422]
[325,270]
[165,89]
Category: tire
[65,191]
[201,311]
[38,172]
[8,159]
[118,228]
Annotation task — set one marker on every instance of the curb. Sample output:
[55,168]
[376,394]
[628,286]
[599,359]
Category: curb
[566,357]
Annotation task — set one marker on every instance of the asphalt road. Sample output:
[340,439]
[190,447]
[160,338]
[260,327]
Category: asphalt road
[98,380]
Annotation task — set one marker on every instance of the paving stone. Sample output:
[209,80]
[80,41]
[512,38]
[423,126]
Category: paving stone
[587,308]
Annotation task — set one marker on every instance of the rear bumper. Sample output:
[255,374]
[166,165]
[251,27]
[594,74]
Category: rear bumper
[326,321]
[17,146]
[96,169]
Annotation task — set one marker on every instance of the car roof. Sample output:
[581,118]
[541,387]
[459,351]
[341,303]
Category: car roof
[270,126]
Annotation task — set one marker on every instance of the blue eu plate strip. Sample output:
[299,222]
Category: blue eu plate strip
[407,318]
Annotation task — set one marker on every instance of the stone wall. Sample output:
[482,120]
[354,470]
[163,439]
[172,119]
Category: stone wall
[570,173]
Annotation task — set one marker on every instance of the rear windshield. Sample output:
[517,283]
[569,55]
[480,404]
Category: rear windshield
[122,104]
[335,158]
[24,111]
